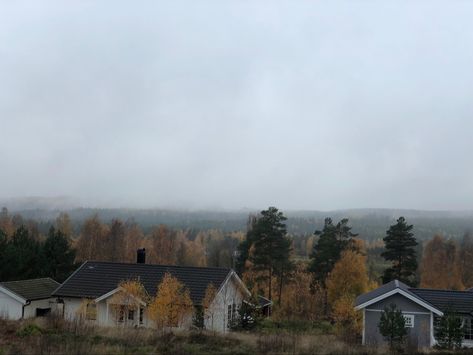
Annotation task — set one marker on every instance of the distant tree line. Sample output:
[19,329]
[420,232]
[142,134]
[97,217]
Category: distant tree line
[309,277]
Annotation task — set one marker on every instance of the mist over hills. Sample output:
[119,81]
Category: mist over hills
[370,223]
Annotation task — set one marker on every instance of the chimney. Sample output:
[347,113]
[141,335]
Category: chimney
[141,256]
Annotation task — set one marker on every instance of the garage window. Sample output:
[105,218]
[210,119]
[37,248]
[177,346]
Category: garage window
[409,319]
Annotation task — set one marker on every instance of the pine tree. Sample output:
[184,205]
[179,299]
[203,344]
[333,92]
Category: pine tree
[450,331]
[244,247]
[58,256]
[3,247]
[333,240]
[272,248]
[392,326]
[400,250]
[23,257]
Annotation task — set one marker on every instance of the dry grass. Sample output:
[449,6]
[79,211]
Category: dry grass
[54,336]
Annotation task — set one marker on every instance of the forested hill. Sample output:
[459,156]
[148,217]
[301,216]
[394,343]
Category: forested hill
[369,223]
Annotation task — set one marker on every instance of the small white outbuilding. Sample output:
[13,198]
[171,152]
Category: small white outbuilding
[27,298]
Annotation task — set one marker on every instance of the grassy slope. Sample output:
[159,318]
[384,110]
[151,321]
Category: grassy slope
[58,337]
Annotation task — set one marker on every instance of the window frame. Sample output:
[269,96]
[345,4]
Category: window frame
[409,320]
[91,311]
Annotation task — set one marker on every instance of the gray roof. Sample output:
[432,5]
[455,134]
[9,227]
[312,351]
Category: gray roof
[443,300]
[94,279]
[458,301]
[381,291]
[30,290]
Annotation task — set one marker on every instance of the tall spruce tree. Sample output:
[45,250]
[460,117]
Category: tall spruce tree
[58,256]
[333,240]
[272,247]
[400,250]
[3,246]
[23,257]
[245,245]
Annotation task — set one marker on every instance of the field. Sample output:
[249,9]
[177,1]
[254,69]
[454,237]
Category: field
[58,337]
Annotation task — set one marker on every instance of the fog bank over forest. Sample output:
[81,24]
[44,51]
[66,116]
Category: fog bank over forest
[370,223]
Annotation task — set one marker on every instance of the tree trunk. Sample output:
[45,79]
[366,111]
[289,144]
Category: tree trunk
[281,279]
[270,282]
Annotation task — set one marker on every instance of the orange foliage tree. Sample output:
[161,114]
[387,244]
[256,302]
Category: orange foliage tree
[172,303]
[466,260]
[209,311]
[347,280]
[92,242]
[440,266]
[299,301]
[126,303]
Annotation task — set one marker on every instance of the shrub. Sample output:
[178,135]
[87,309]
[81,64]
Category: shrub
[392,326]
[29,330]
[450,331]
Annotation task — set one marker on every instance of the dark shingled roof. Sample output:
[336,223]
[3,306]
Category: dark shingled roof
[381,291]
[94,279]
[459,301]
[30,290]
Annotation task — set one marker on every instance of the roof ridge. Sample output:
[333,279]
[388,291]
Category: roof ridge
[162,265]
[39,278]
[439,289]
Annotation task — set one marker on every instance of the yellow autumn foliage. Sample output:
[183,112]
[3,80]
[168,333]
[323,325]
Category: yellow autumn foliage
[209,312]
[171,304]
[347,280]
[131,294]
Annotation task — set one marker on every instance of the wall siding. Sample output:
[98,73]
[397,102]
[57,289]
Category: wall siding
[418,336]
[9,307]
[230,293]
[30,310]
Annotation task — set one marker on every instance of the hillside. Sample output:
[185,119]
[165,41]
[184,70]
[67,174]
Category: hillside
[369,223]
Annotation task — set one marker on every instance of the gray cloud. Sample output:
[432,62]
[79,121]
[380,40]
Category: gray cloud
[309,104]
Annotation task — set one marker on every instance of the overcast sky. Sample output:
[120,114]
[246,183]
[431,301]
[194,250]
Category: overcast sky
[203,104]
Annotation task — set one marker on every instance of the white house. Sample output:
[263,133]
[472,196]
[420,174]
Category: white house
[89,292]
[27,298]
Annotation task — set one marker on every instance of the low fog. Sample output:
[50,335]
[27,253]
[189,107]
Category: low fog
[233,104]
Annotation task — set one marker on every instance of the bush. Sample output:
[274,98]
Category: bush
[29,330]
[296,326]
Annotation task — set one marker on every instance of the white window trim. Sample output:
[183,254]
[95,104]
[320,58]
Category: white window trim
[410,317]
[403,312]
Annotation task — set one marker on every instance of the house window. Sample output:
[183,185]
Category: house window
[436,325]
[467,329]
[131,314]
[141,315]
[231,314]
[121,313]
[91,311]
[409,319]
